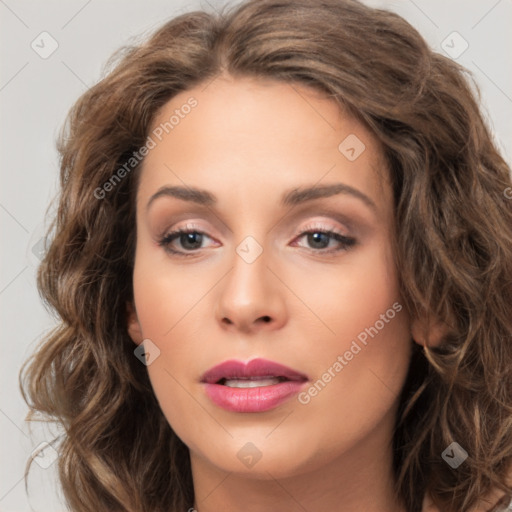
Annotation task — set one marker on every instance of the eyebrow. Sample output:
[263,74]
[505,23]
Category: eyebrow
[291,197]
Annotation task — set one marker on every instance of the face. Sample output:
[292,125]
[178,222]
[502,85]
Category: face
[285,256]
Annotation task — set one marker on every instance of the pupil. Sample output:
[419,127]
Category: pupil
[187,238]
[315,239]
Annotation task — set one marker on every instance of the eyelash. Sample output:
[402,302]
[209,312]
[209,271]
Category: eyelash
[346,242]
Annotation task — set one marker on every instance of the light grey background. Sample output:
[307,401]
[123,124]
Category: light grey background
[35,95]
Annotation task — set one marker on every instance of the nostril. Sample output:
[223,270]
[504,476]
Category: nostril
[266,319]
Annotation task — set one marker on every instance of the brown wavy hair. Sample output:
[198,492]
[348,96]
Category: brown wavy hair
[453,250]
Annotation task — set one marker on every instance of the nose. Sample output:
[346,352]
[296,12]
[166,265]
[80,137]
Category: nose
[251,298]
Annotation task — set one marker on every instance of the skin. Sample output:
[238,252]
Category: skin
[247,142]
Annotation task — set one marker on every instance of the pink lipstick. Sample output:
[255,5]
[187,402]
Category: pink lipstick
[256,386]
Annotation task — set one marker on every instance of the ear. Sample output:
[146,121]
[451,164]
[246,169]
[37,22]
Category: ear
[425,331]
[133,325]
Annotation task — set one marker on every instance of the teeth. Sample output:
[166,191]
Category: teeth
[248,383]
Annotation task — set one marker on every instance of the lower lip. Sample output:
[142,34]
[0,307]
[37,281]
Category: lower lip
[258,399]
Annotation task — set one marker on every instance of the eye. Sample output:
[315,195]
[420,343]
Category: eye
[189,238]
[319,240]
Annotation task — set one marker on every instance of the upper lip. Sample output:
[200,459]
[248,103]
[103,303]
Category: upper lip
[233,369]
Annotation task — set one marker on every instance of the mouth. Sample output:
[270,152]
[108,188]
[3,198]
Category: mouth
[255,373]
[256,386]
[254,382]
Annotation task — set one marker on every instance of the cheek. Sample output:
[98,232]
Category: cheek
[168,302]
[350,296]
[164,293]
[362,363]
[167,307]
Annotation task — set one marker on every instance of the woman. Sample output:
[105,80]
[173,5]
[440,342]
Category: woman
[283,263]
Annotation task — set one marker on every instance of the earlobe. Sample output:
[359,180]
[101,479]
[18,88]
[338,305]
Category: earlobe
[428,333]
[133,325]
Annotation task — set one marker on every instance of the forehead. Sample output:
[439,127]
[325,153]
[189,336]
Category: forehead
[245,135]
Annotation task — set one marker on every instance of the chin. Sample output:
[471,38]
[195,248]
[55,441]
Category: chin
[263,460]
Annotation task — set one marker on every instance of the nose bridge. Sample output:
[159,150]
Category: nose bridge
[249,293]
[248,278]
